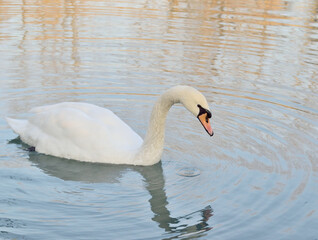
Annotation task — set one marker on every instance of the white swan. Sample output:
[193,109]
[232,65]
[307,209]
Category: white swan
[89,133]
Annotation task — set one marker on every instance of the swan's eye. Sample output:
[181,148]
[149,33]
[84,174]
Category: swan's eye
[203,110]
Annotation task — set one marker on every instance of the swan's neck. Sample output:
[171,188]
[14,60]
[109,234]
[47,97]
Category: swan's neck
[152,147]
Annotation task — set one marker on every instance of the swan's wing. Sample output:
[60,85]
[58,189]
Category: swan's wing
[83,107]
[79,131]
[95,112]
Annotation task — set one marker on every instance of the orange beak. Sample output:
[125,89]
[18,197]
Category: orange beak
[205,121]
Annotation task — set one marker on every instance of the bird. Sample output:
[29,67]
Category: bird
[89,133]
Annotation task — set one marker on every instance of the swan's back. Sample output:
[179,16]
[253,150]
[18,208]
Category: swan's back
[78,131]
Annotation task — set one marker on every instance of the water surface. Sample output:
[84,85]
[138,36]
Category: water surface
[255,61]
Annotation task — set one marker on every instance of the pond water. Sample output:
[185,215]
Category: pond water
[256,61]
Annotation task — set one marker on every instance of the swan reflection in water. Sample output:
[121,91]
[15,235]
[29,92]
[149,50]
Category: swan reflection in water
[70,170]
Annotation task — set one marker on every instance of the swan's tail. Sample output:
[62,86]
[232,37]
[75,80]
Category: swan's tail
[18,125]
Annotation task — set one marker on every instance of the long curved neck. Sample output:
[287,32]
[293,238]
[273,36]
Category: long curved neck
[152,147]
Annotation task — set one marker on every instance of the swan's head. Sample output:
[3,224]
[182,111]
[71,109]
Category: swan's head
[197,104]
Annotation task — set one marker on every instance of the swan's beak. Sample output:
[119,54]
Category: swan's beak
[205,121]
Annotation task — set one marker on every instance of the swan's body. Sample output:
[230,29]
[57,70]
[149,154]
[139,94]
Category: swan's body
[86,132]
